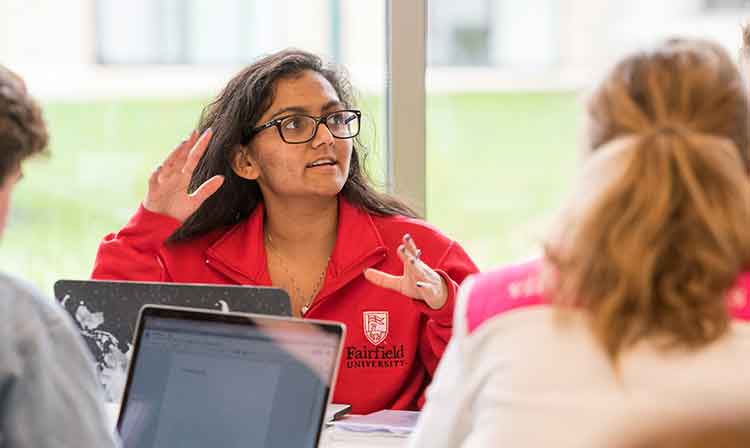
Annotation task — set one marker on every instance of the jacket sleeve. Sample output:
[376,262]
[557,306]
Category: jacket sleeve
[454,266]
[446,416]
[50,395]
[134,253]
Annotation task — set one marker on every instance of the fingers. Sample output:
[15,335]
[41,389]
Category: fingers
[196,152]
[153,180]
[405,256]
[409,255]
[208,188]
[428,283]
[411,246]
[175,160]
[180,151]
[380,278]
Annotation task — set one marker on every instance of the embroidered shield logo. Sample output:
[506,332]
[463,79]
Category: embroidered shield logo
[375,326]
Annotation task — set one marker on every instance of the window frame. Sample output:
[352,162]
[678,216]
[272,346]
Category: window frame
[406,58]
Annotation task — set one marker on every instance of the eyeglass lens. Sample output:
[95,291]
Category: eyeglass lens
[300,128]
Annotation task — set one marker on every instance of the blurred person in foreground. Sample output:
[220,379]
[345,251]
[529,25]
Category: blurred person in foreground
[722,430]
[49,396]
[639,308]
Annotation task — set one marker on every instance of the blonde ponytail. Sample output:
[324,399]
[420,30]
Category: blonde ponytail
[661,226]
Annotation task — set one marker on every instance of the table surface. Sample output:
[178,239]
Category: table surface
[332,437]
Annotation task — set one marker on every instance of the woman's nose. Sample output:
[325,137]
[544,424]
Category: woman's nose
[323,135]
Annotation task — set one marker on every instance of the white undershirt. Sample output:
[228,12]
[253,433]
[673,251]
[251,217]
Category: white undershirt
[528,379]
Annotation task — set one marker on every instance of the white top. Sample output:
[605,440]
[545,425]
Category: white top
[527,379]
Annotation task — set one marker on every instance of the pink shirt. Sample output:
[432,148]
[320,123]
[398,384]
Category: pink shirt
[515,374]
[520,286]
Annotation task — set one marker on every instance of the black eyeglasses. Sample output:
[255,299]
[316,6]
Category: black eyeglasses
[300,128]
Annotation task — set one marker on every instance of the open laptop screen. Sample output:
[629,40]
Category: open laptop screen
[204,379]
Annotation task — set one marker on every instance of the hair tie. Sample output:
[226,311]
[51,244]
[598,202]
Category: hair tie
[667,128]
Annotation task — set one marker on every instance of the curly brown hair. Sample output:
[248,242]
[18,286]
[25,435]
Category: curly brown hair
[23,131]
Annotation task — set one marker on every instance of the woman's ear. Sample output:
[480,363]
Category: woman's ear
[243,163]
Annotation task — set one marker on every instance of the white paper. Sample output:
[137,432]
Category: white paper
[396,422]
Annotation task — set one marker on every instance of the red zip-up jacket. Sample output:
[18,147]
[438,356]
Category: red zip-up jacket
[393,343]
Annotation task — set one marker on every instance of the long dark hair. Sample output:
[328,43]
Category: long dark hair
[237,110]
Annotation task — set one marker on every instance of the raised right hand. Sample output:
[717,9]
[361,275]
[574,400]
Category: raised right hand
[168,185]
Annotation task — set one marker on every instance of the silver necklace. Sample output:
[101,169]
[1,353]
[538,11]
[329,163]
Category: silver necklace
[295,286]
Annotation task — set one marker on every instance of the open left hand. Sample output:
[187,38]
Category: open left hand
[419,281]
[168,186]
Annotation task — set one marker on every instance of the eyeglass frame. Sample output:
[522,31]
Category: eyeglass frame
[276,122]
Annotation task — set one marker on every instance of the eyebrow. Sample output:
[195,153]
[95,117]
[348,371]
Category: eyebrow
[302,110]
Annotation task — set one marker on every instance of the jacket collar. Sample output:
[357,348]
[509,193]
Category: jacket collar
[241,254]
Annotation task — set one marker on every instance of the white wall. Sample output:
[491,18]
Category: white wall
[364,39]
[47,32]
[525,34]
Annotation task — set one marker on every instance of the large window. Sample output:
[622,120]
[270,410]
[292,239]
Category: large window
[215,32]
[460,36]
[727,4]
[506,81]
[493,33]
[480,126]
[123,82]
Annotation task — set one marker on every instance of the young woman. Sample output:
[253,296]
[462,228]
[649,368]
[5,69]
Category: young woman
[639,308]
[271,191]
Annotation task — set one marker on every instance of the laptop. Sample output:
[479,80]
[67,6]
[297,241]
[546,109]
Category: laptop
[106,313]
[209,379]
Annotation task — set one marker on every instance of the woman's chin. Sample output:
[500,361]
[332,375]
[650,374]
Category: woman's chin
[328,187]
[319,192]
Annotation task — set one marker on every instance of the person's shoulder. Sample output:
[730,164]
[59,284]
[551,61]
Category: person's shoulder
[502,290]
[23,305]
[739,298]
[18,293]
[513,280]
